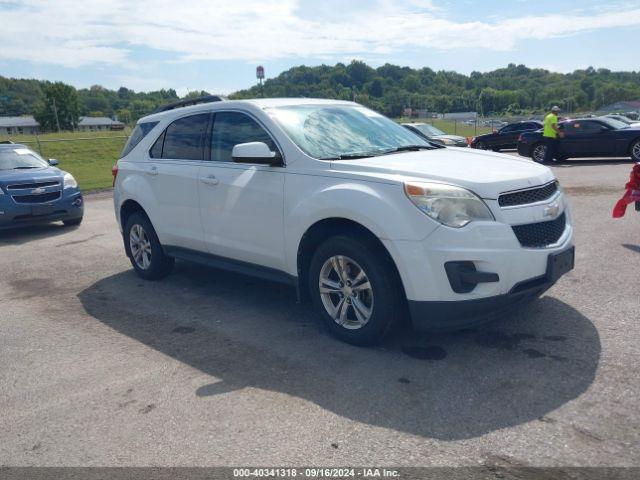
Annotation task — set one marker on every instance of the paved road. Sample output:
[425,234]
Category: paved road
[98,367]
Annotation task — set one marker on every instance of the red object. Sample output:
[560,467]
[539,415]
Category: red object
[631,195]
[114,172]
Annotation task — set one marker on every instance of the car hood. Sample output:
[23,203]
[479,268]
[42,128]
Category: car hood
[485,173]
[10,177]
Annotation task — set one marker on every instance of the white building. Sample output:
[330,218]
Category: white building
[19,125]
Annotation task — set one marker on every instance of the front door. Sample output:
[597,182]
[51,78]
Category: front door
[587,138]
[242,205]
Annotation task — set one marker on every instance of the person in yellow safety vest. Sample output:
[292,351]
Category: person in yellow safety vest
[551,133]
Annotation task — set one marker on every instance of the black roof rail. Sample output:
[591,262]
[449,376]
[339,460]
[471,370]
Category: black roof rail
[190,101]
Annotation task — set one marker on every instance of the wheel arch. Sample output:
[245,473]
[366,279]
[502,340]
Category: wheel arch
[128,208]
[332,226]
[631,144]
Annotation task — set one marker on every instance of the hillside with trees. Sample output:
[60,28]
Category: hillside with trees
[513,90]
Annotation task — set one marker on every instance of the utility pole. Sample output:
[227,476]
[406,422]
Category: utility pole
[55,113]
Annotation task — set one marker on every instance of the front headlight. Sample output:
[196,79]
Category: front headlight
[69,181]
[450,205]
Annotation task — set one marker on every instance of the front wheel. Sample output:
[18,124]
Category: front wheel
[144,250]
[355,289]
[481,146]
[635,151]
[74,222]
[539,153]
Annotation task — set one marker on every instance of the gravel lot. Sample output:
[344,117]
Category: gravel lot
[98,367]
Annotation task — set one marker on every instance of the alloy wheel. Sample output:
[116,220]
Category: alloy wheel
[140,246]
[346,292]
[635,153]
[539,153]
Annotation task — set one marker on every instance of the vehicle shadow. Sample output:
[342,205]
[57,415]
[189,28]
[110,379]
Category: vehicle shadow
[24,235]
[251,333]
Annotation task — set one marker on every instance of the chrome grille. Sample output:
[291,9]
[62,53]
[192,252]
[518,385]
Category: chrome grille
[531,195]
[40,198]
[31,186]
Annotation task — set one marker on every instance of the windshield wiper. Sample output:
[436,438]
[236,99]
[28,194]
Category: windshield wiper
[408,148]
[351,156]
[24,168]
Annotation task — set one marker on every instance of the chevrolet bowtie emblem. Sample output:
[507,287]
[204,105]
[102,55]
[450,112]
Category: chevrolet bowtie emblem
[38,190]
[551,210]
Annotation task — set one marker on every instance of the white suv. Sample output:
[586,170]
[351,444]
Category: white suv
[365,218]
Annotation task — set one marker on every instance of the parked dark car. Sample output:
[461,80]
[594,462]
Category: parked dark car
[34,190]
[436,135]
[586,137]
[506,137]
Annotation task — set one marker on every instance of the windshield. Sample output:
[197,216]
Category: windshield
[617,124]
[620,118]
[334,131]
[20,158]
[429,130]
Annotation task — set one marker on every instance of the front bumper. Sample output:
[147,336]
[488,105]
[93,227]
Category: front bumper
[14,215]
[488,254]
[447,316]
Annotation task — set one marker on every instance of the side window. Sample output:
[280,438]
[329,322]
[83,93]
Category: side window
[508,129]
[136,136]
[184,138]
[591,127]
[232,128]
[156,150]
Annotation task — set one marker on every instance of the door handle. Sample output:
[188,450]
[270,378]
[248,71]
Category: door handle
[210,180]
[153,171]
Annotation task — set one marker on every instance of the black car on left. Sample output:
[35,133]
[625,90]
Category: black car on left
[505,137]
[586,137]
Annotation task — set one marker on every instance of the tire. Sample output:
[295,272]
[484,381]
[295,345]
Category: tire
[74,222]
[635,151]
[538,152]
[481,146]
[144,250]
[361,316]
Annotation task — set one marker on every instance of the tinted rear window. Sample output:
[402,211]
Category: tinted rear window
[184,138]
[137,135]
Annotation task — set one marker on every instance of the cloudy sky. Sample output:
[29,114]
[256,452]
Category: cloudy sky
[215,45]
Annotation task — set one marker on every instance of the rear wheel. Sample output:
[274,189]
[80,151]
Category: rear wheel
[635,150]
[355,290]
[539,152]
[144,250]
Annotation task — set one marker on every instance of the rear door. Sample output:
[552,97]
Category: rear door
[175,161]
[242,205]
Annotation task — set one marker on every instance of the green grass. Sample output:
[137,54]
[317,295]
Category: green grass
[90,161]
[450,127]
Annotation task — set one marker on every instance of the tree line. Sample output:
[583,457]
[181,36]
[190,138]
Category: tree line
[389,89]
[515,89]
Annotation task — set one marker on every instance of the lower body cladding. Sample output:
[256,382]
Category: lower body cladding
[69,207]
[461,277]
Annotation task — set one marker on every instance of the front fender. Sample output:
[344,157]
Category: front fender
[382,208]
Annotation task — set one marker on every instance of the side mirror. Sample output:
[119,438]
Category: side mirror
[255,152]
[53,162]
